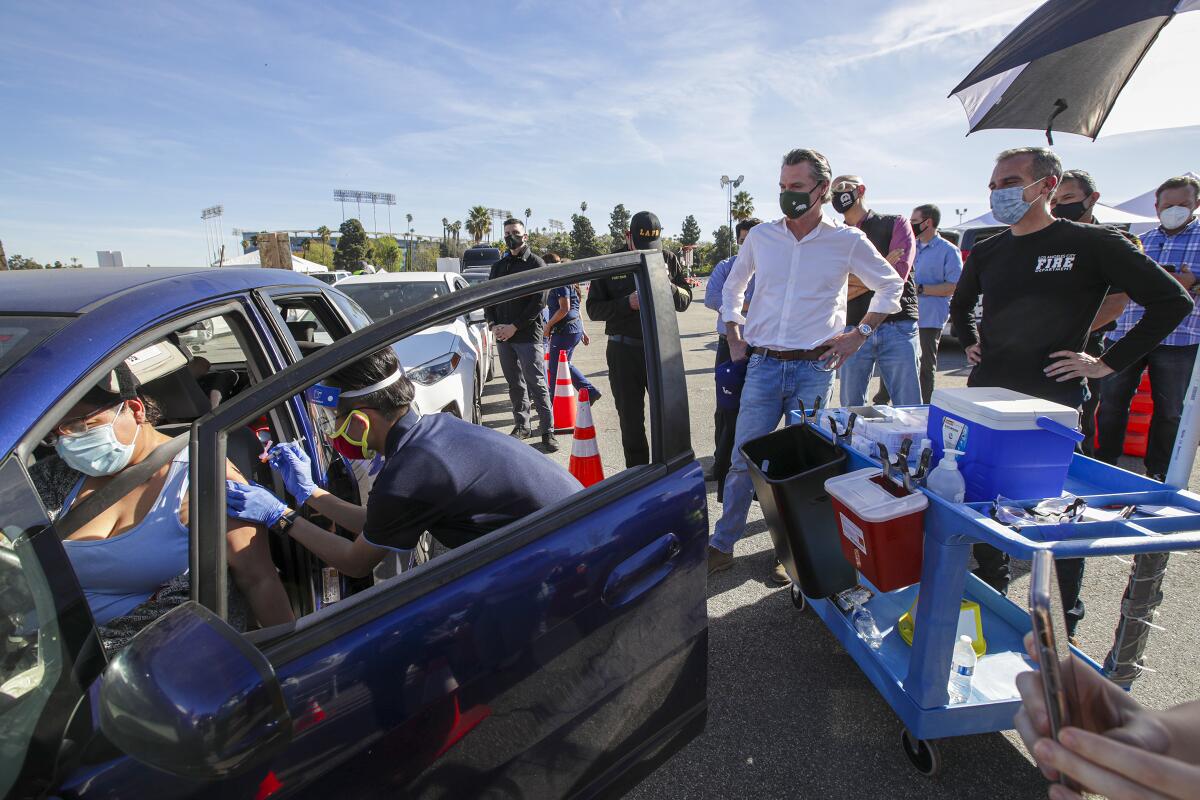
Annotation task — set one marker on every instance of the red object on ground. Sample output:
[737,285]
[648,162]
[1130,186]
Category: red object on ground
[564,396]
[585,454]
[888,553]
[1141,409]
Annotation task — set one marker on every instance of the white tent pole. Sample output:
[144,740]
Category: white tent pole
[1179,471]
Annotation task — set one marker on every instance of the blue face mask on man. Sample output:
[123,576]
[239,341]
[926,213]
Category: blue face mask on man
[97,452]
[1009,205]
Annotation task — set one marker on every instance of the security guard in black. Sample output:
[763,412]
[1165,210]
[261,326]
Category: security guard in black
[1041,292]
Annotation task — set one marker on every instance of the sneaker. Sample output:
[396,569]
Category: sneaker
[549,441]
[519,432]
[779,575]
[718,560]
[594,396]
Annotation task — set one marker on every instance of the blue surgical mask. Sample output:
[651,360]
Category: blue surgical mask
[97,452]
[1009,205]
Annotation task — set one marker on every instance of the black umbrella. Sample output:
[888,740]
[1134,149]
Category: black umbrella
[1065,67]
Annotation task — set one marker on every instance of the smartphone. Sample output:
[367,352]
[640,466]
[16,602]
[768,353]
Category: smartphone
[1053,648]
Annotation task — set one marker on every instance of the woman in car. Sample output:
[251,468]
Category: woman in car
[131,558]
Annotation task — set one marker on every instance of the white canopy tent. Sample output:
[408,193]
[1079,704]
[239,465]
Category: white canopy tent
[1106,214]
[1143,204]
[252,260]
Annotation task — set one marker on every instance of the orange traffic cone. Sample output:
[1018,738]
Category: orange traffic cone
[585,455]
[549,376]
[564,396]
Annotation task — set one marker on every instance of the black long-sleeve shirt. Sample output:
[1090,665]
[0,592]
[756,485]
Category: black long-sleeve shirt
[524,312]
[608,299]
[1041,292]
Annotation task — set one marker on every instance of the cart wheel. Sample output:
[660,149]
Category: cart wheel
[923,753]
[798,598]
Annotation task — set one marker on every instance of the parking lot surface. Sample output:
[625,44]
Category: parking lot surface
[790,714]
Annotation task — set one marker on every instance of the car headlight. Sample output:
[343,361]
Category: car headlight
[433,371]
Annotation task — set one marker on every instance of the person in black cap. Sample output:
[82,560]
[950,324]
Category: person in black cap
[614,301]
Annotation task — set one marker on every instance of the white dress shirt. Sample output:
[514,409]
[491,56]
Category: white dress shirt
[800,285]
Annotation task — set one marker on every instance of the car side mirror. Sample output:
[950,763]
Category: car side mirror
[199,718]
[477,315]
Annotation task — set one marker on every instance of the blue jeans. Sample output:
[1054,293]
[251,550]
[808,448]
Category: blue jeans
[772,389]
[568,342]
[896,349]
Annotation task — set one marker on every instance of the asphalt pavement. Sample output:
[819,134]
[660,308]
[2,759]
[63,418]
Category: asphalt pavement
[790,714]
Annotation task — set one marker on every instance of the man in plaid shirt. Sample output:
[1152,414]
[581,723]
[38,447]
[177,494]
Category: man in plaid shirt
[1175,244]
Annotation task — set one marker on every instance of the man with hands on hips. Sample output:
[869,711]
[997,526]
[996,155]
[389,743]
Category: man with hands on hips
[1119,748]
[794,333]
[431,479]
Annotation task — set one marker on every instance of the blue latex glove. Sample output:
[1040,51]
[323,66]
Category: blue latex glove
[253,503]
[294,465]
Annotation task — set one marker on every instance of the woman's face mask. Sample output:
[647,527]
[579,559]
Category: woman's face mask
[97,451]
[350,438]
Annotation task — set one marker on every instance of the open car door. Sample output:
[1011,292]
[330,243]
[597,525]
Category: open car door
[562,655]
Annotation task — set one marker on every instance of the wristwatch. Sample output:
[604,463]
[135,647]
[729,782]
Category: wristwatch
[865,329]
[285,521]
[920,288]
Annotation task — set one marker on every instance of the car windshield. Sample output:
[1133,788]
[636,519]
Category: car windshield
[382,299]
[19,335]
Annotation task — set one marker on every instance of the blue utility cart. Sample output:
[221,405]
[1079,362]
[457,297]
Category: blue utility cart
[913,679]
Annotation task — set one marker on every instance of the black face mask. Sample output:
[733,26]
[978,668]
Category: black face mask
[1071,211]
[917,227]
[842,201]
[795,204]
[514,241]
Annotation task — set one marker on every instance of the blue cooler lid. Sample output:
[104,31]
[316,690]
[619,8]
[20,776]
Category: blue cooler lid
[1002,409]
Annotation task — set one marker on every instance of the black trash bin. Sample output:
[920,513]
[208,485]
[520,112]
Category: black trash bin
[789,468]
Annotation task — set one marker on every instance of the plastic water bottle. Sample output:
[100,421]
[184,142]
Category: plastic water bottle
[962,669]
[864,624]
[946,481]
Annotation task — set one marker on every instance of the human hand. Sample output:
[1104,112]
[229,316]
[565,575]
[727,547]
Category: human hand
[894,257]
[1076,365]
[295,467]
[586,340]
[504,332]
[841,347]
[1106,712]
[739,349]
[1185,277]
[253,503]
[634,302]
[974,353]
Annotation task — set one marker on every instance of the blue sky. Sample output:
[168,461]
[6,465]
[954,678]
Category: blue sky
[123,122]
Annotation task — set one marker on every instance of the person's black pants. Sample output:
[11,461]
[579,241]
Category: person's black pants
[1087,418]
[724,426]
[1170,371]
[995,572]
[931,338]
[627,376]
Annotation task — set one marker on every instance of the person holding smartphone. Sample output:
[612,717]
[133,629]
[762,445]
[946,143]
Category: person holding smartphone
[1116,747]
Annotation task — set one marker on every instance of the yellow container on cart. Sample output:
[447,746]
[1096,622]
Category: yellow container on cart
[970,623]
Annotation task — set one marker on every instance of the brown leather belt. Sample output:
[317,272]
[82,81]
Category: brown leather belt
[791,355]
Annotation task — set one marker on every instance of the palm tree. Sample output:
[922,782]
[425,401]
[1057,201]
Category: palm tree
[323,233]
[478,222]
[583,207]
[528,214]
[456,226]
[743,206]
[445,229]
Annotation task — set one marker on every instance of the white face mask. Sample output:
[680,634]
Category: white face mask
[1174,217]
[98,451]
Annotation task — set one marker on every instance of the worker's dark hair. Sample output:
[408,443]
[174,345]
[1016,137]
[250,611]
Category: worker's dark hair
[552,258]
[1083,178]
[745,225]
[1178,183]
[930,211]
[380,365]
[514,221]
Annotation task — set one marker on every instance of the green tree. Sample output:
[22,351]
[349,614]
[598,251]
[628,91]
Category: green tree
[583,237]
[318,252]
[723,245]
[385,253]
[743,206]
[323,233]
[528,214]
[478,222]
[456,229]
[19,261]
[353,246]
[618,225]
[691,231]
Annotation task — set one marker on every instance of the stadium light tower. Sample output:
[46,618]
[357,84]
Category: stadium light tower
[211,217]
[359,197]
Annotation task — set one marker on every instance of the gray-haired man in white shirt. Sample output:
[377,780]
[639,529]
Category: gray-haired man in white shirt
[795,333]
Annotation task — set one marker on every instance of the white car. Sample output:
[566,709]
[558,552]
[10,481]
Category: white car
[448,363]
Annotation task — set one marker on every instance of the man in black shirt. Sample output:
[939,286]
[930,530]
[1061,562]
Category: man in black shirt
[1042,282]
[518,328]
[614,301]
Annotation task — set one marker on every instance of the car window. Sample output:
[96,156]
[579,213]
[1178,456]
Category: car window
[384,298]
[351,310]
[33,658]
[19,335]
[310,320]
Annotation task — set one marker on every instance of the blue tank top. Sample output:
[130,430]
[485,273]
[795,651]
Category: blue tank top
[121,572]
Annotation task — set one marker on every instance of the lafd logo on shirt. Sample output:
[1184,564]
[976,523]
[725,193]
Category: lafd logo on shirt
[1055,263]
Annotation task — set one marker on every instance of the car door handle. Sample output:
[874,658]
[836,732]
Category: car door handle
[642,571]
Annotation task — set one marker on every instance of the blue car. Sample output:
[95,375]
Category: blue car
[564,655]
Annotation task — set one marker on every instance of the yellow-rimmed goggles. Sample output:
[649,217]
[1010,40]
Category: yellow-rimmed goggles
[340,438]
